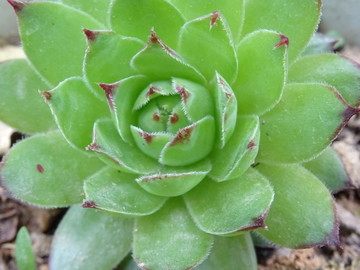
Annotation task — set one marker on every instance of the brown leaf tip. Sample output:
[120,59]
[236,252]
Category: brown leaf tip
[90,35]
[214,18]
[46,94]
[283,41]
[40,168]
[146,136]
[89,204]
[182,92]
[17,6]
[152,90]
[350,112]
[258,222]
[153,37]
[93,147]
[174,118]
[109,90]
[156,117]
[183,135]
[251,145]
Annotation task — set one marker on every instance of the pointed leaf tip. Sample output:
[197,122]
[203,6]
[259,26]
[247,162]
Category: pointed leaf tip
[258,222]
[17,6]
[109,90]
[350,112]
[284,40]
[89,204]
[46,94]
[214,18]
[90,35]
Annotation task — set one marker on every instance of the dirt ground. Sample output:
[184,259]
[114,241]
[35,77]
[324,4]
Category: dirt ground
[42,223]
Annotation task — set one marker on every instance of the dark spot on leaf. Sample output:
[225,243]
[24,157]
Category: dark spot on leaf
[90,35]
[46,94]
[251,145]
[174,118]
[214,17]
[40,168]
[146,136]
[89,204]
[182,92]
[156,117]
[283,41]
[17,6]
[183,135]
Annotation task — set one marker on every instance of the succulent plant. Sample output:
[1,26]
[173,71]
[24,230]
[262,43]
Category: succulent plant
[175,128]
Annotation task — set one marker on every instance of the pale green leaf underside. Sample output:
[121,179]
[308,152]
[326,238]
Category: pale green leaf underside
[169,239]
[45,170]
[21,106]
[80,234]
[308,217]
[25,258]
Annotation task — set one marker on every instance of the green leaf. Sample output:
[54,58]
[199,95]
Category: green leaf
[297,20]
[117,153]
[128,264]
[21,106]
[175,181]
[260,82]
[305,121]
[240,151]
[233,11]
[321,44]
[24,254]
[95,8]
[232,206]
[206,43]
[52,38]
[169,239]
[329,168]
[160,62]
[137,18]
[75,109]
[45,170]
[108,58]
[302,214]
[332,69]
[231,253]
[88,239]
[118,192]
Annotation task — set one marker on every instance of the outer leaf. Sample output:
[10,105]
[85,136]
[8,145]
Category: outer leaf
[175,181]
[231,253]
[240,151]
[169,239]
[305,121]
[321,44]
[232,206]
[75,109]
[80,234]
[233,11]
[302,214]
[46,171]
[61,54]
[21,106]
[213,45]
[25,258]
[286,17]
[262,71]
[115,191]
[108,57]
[137,18]
[332,69]
[329,168]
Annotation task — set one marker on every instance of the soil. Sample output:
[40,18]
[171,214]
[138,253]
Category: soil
[41,223]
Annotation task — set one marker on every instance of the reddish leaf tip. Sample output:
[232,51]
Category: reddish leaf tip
[174,118]
[284,40]
[146,136]
[109,90]
[251,145]
[156,117]
[215,16]
[89,204]
[90,35]
[93,147]
[152,90]
[182,92]
[350,112]
[258,222]
[183,135]
[40,168]
[46,94]
[17,6]
[153,37]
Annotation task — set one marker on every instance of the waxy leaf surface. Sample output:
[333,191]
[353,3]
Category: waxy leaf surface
[25,258]
[80,234]
[169,239]
[45,170]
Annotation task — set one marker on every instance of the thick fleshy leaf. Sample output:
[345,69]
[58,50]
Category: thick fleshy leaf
[231,253]
[45,170]
[24,254]
[321,44]
[233,206]
[56,56]
[332,69]
[286,17]
[207,44]
[226,109]
[240,151]
[175,181]
[302,214]
[97,9]
[190,144]
[305,121]
[118,192]
[80,234]
[137,18]
[169,239]
[233,11]
[117,153]
[108,57]
[21,106]
[262,71]
[75,109]
[160,62]
[329,168]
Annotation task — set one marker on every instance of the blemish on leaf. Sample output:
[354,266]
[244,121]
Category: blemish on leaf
[90,35]
[93,147]
[183,135]
[109,90]
[283,41]
[251,145]
[89,204]
[214,17]
[258,222]
[156,117]
[40,168]
[17,6]
[146,136]
[46,94]
[182,92]
[174,118]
